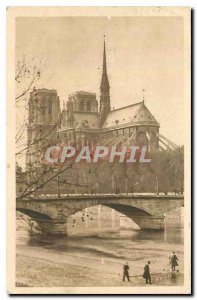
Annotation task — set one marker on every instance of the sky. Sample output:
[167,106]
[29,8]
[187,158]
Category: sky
[142,53]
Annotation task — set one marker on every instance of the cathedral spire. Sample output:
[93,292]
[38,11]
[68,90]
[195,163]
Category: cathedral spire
[104,81]
[104,60]
[104,90]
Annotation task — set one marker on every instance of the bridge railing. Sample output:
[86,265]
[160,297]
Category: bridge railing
[110,195]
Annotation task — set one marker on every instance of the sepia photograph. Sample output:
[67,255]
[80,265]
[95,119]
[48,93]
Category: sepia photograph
[98,141]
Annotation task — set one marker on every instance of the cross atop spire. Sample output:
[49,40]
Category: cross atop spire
[143,95]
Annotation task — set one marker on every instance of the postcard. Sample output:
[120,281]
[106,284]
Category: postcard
[98,150]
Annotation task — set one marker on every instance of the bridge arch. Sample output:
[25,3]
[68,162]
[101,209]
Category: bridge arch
[124,208]
[45,222]
[131,212]
[33,214]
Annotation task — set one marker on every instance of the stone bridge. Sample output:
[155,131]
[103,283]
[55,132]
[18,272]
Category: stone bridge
[52,212]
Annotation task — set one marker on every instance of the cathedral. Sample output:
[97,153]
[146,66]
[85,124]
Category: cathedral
[85,121]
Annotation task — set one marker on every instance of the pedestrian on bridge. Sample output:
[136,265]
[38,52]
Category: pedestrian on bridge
[126,271]
[146,274]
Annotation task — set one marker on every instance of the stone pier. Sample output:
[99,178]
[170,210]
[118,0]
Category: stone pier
[149,222]
[52,227]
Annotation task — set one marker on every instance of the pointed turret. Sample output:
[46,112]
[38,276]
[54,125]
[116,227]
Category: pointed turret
[104,91]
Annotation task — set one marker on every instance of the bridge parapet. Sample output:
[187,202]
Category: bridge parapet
[104,196]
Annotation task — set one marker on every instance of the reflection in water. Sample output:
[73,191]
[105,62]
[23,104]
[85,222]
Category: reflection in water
[175,235]
[114,245]
[169,235]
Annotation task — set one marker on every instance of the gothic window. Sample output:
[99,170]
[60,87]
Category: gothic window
[81,106]
[49,108]
[142,139]
[153,140]
[40,133]
[88,106]
[85,123]
[71,106]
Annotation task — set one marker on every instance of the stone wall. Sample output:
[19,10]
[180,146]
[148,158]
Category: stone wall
[175,218]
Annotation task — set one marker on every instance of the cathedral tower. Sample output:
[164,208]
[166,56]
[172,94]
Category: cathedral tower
[44,113]
[104,92]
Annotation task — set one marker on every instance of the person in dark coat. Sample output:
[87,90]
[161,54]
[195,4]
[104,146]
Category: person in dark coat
[146,274]
[174,261]
[126,272]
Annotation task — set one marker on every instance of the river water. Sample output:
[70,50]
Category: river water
[110,244]
[110,250]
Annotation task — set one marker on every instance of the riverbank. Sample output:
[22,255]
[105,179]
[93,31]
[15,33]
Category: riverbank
[42,268]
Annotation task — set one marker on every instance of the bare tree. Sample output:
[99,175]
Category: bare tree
[27,76]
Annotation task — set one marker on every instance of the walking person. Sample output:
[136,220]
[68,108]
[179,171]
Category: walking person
[174,261]
[126,272]
[146,274]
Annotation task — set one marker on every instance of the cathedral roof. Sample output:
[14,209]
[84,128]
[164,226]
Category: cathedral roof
[44,90]
[134,114]
[84,93]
